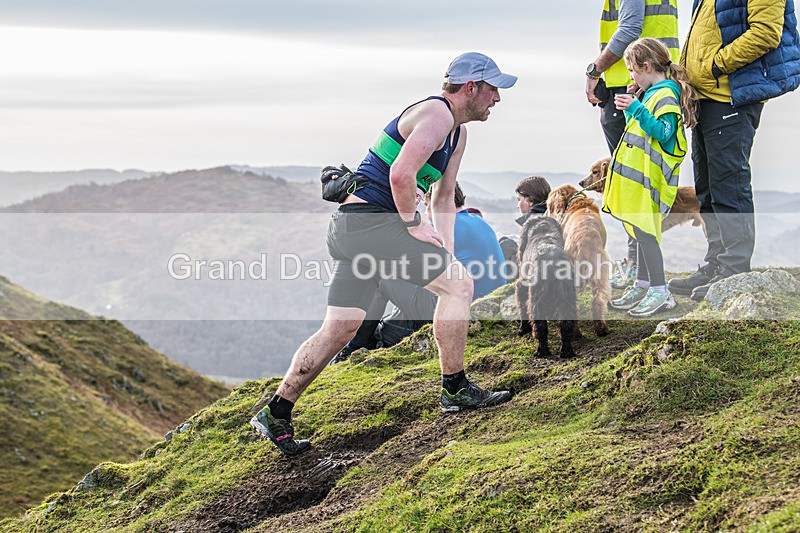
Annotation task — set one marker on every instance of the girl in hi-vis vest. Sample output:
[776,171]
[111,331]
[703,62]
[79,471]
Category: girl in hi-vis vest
[643,179]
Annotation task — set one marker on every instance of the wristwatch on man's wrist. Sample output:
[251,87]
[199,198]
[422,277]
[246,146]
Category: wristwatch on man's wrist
[416,221]
[592,72]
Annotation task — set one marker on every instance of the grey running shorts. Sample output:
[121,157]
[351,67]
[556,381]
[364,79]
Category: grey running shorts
[369,243]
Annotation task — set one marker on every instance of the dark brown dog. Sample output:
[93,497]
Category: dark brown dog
[545,289]
[585,243]
[685,209]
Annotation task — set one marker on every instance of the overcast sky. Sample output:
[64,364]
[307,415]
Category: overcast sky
[171,85]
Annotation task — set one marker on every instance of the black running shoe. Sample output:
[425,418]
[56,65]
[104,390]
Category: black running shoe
[686,285]
[279,431]
[472,397]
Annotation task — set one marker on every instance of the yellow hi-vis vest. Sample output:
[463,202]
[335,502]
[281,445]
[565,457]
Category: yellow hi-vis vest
[643,177]
[660,22]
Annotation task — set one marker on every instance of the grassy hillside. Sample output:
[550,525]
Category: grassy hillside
[76,390]
[691,429]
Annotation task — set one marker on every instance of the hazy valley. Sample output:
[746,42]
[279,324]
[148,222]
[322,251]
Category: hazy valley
[107,249]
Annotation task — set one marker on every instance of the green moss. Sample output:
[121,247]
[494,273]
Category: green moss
[690,430]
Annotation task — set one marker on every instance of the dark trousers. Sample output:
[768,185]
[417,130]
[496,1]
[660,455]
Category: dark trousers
[612,121]
[721,145]
[414,307]
[649,258]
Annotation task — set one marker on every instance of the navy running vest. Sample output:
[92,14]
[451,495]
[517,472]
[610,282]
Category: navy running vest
[383,153]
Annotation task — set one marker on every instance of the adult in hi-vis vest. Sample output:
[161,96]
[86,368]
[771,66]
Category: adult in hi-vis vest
[621,23]
[738,54]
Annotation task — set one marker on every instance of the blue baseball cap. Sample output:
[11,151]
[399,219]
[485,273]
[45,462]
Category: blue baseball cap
[474,66]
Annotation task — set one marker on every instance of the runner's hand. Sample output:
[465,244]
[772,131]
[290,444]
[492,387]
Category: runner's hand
[425,233]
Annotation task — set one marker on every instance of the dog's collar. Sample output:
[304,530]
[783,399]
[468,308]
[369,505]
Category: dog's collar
[593,185]
[578,194]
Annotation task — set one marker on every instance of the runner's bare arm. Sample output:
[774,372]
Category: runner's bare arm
[429,127]
[442,201]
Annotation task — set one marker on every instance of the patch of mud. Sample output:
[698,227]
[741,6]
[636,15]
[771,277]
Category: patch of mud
[289,485]
[390,462]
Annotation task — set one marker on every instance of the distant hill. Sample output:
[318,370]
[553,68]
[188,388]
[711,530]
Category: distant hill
[502,184]
[287,172]
[214,190]
[76,389]
[485,185]
[16,187]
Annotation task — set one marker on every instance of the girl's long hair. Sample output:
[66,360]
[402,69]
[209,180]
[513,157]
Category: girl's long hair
[656,53]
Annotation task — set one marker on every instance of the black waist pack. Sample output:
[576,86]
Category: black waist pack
[339,182]
[601,92]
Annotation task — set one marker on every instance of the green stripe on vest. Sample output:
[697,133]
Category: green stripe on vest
[388,149]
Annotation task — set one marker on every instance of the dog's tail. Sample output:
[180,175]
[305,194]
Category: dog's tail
[554,287]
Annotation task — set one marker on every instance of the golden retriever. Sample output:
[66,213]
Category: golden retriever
[585,243]
[685,209]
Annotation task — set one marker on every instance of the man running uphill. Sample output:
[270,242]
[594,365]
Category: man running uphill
[422,146]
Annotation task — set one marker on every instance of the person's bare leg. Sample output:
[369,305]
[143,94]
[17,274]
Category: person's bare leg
[314,354]
[451,318]
[450,325]
[274,420]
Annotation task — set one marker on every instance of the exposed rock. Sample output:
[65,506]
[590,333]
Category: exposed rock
[87,483]
[749,295]
[51,507]
[500,305]
[665,327]
[664,352]
[508,308]
[371,362]
[137,374]
[422,344]
[743,306]
[156,405]
[180,429]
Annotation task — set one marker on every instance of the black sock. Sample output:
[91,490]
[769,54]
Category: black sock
[280,408]
[453,383]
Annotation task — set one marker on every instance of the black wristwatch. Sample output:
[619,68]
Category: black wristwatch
[592,72]
[416,221]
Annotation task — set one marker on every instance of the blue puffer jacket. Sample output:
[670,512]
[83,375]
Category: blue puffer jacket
[775,73]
